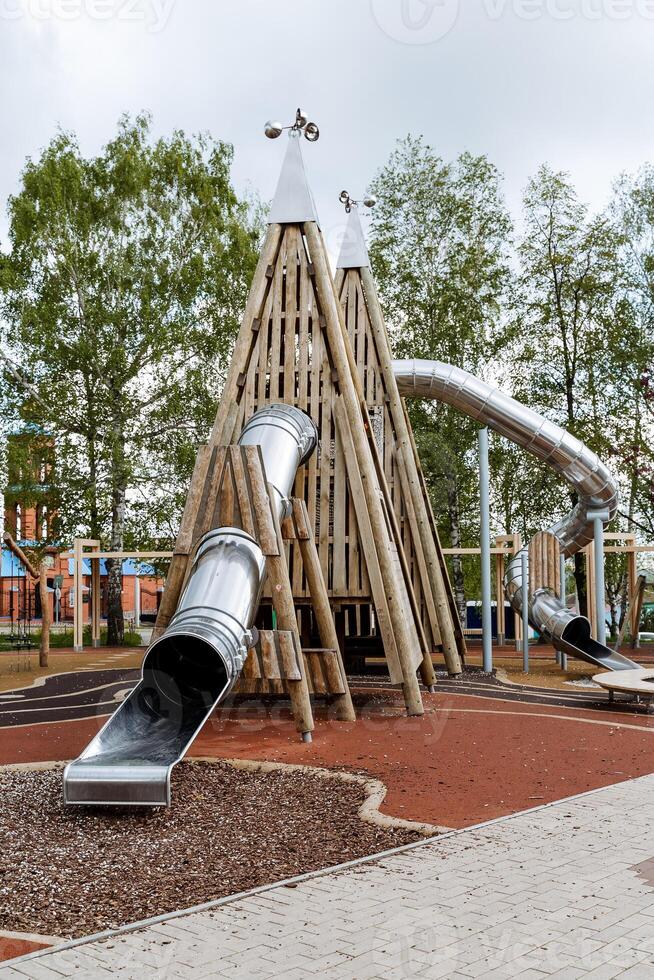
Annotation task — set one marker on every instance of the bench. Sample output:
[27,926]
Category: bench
[638,683]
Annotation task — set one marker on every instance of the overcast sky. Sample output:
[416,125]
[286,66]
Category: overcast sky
[570,82]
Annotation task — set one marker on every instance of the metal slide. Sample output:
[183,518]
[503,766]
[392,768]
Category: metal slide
[561,451]
[193,665]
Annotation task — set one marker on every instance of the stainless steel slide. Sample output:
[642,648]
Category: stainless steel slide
[197,660]
[563,453]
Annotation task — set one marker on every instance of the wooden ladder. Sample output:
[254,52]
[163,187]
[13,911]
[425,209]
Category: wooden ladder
[236,494]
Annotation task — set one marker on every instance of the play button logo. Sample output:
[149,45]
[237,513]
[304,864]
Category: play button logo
[415,21]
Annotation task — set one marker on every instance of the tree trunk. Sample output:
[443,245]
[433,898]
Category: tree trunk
[614,625]
[458,580]
[580,582]
[115,618]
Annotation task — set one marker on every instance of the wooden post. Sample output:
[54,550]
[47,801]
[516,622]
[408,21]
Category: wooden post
[222,429]
[405,448]
[407,592]
[634,599]
[247,337]
[320,601]
[341,356]
[636,612]
[282,600]
[95,599]
[544,565]
[367,539]
[444,593]
[632,577]
[46,617]
[499,596]
[428,595]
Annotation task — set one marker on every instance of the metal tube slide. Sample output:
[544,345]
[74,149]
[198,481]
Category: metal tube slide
[194,664]
[562,452]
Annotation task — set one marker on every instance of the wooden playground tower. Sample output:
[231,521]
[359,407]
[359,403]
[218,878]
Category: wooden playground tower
[322,347]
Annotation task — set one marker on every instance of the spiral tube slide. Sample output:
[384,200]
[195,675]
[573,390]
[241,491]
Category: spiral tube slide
[562,452]
[194,664]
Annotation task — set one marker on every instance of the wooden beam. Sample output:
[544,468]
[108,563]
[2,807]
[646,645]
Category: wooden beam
[20,554]
[92,555]
[282,600]
[342,358]
[95,604]
[433,582]
[320,601]
[476,551]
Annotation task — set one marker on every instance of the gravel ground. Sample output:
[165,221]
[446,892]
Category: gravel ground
[75,871]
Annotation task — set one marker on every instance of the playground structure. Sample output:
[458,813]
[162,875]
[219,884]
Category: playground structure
[597,504]
[201,654]
[89,550]
[324,451]
[615,543]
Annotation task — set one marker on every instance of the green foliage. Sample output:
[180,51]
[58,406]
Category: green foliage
[633,454]
[439,249]
[122,294]
[564,321]
[563,325]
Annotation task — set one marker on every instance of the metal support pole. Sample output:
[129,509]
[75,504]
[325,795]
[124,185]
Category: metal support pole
[525,611]
[599,518]
[484,496]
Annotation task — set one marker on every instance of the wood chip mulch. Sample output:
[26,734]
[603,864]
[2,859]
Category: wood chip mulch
[73,871]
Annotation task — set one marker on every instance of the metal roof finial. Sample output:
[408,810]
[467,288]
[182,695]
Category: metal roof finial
[353,253]
[293,202]
[349,202]
[273,129]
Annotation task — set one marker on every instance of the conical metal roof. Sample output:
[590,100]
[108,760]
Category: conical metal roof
[353,254]
[293,201]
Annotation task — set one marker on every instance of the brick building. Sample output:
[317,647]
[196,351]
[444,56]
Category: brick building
[30,516]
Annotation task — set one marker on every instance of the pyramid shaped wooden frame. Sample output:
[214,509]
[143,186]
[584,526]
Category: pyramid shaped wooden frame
[368,335]
[294,347]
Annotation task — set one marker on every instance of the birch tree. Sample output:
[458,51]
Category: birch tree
[121,290]
[439,249]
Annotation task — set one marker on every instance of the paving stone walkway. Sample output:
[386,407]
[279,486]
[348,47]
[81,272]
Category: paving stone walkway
[563,891]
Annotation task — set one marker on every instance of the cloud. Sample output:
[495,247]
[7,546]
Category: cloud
[576,92]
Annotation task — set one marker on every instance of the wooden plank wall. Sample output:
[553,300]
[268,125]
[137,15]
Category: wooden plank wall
[290,363]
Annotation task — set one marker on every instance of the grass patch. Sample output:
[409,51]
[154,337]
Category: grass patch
[64,638]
